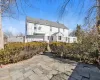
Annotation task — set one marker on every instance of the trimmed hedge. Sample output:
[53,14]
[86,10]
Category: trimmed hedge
[74,51]
[15,52]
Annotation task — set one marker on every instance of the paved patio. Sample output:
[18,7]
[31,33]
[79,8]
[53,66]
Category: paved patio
[44,67]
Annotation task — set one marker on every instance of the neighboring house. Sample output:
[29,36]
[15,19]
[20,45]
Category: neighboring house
[16,39]
[44,30]
[72,39]
[5,39]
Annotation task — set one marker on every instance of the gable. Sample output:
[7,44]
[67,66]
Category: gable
[58,34]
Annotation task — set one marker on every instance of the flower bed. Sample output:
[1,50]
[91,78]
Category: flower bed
[15,52]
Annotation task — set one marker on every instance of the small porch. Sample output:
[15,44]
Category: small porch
[58,36]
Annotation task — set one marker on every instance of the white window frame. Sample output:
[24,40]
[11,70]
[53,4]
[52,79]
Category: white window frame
[35,28]
[50,28]
[48,37]
[66,38]
[39,28]
[59,38]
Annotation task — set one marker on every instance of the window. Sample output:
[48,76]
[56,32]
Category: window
[48,37]
[51,37]
[58,29]
[66,38]
[74,39]
[34,27]
[59,37]
[63,30]
[50,28]
[39,28]
[69,40]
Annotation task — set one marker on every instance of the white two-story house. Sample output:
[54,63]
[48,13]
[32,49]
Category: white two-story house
[48,31]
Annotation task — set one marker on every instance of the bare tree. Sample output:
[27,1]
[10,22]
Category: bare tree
[8,33]
[93,13]
[6,10]
[1,33]
[4,4]
[98,16]
[6,7]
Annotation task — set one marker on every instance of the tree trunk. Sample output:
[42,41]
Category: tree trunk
[1,32]
[98,16]
[98,8]
[98,28]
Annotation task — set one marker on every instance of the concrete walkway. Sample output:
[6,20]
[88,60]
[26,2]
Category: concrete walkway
[44,67]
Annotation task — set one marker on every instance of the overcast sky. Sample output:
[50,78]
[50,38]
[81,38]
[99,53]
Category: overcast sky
[74,14]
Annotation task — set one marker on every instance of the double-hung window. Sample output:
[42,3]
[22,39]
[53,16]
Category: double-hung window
[48,37]
[66,39]
[50,28]
[59,37]
[39,28]
[35,28]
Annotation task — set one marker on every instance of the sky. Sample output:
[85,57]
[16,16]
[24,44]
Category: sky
[48,10]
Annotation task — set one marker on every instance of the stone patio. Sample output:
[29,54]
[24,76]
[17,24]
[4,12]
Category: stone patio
[46,67]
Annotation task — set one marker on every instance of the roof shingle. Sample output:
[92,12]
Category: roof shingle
[45,22]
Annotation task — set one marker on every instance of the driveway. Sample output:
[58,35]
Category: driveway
[47,67]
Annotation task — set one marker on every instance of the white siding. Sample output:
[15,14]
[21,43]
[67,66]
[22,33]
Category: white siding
[65,32]
[72,39]
[15,39]
[30,29]
[61,30]
[54,30]
[47,31]
[44,29]
[34,39]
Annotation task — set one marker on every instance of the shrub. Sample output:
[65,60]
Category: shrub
[75,51]
[15,52]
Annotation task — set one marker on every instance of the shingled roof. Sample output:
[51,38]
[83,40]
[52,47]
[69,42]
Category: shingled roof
[45,22]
